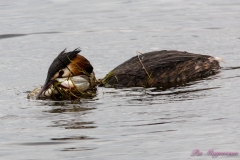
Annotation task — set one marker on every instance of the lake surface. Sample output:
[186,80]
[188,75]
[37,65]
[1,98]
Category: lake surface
[133,123]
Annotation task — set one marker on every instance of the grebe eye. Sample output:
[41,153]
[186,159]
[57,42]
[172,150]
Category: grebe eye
[60,74]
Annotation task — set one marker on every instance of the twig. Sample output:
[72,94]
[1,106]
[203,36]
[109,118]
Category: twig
[142,64]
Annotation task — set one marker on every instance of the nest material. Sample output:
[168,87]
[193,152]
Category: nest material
[59,90]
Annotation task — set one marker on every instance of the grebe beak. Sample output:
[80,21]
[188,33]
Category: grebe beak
[65,65]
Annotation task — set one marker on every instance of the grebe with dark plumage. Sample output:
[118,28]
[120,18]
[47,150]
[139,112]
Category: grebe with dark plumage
[71,72]
[162,69]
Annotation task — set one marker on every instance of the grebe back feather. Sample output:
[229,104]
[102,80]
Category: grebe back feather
[166,69]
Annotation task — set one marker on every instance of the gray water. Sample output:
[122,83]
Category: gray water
[133,123]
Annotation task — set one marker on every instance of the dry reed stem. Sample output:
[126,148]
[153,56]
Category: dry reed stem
[149,77]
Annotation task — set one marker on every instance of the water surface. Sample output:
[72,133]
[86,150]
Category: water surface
[132,123]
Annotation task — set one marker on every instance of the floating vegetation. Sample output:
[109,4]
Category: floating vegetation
[70,88]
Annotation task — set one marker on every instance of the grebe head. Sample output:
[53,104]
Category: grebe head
[65,65]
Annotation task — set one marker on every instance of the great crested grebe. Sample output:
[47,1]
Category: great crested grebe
[71,72]
[162,69]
